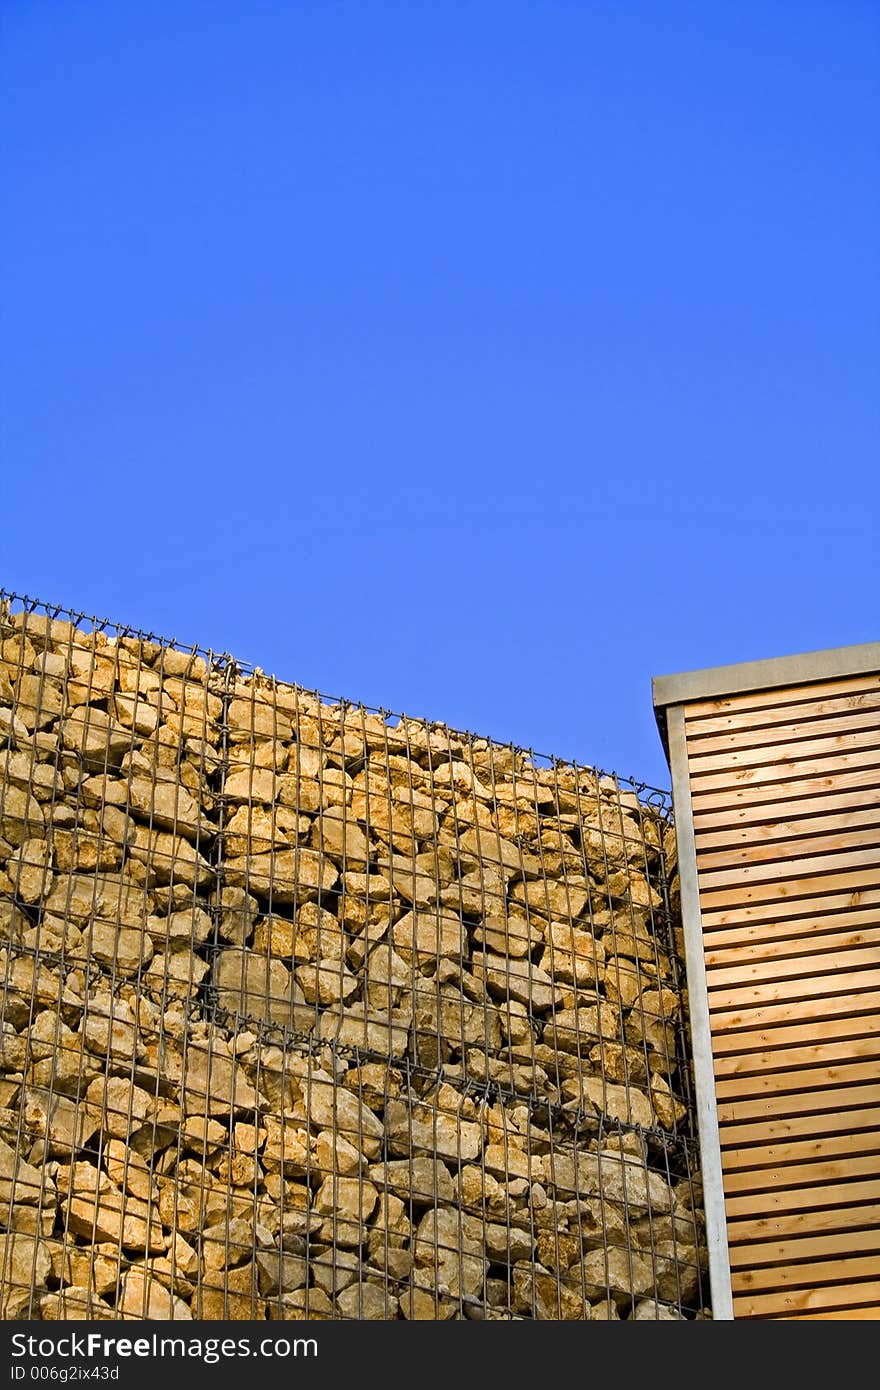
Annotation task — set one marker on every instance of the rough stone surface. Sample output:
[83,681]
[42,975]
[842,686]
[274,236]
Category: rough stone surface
[309,1013]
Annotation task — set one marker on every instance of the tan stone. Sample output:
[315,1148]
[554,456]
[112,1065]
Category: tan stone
[540,1294]
[420,1126]
[97,1210]
[21,815]
[362,1027]
[99,740]
[621,1273]
[513,936]
[516,979]
[142,1296]
[423,936]
[251,784]
[560,902]
[340,839]
[26,1266]
[261,987]
[30,869]
[168,806]
[416,1178]
[231,1294]
[293,875]
[578,1030]
[20,1183]
[449,1244]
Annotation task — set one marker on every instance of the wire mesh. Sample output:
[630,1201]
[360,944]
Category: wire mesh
[309,1011]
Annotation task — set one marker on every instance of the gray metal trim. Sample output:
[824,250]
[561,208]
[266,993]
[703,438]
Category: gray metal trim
[701,1040]
[716,681]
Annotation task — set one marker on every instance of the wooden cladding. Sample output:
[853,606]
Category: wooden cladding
[777,793]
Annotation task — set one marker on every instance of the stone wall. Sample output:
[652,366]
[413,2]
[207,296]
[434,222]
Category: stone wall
[310,1012]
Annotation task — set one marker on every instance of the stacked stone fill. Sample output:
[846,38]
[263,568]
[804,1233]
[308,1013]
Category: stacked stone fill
[309,1012]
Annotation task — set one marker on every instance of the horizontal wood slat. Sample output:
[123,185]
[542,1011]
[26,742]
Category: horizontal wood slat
[797,774]
[802,1198]
[793,868]
[747,761]
[792,948]
[808,1300]
[781,1060]
[801,846]
[696,712]
[767,1129]
[803,1011]
[797,1151]
[810,928]
[763,1180]
[787,799]
[789,1083]
[801,1248]
[795,724]
[839,900]
[839,1271]
[786,968]
[740,1045]
[846,1216]
[810,987]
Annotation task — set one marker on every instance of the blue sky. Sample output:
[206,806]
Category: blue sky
[476,360]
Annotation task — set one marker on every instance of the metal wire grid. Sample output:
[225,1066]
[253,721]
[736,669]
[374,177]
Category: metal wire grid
[310,1011]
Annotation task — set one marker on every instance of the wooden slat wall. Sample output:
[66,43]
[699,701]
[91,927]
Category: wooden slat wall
[785,790]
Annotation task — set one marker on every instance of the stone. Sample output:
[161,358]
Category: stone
[352,1199]
[287,876]
[256,784]
[539,1294]
[118,1105]
[97,1210]
[448,1246]
[26,1265]
[618,1272]
[30,869]
[340,839]
[171,858]
[366,1301]
[512,936]
[446,1022]
[60,1126]
[21,815]
[417,1178]
[516,979]
[260,829]
[168,805]
[96,738]
[574,955]
[209,1080]
[123,950]
[261,987]
[563,901]
[20,1183]
[578,1030]
[142,1296]
[421,1126]
[422,937]
[231,1294]
[280,1272]
[331,1106]
[365,1028]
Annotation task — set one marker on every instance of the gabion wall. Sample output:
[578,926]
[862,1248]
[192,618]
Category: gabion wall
[310,1012]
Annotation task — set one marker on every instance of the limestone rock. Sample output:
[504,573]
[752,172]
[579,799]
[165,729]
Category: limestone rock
[260,987]
[142,1296]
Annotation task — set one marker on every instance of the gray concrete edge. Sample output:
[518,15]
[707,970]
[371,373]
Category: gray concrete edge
[701,1039]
